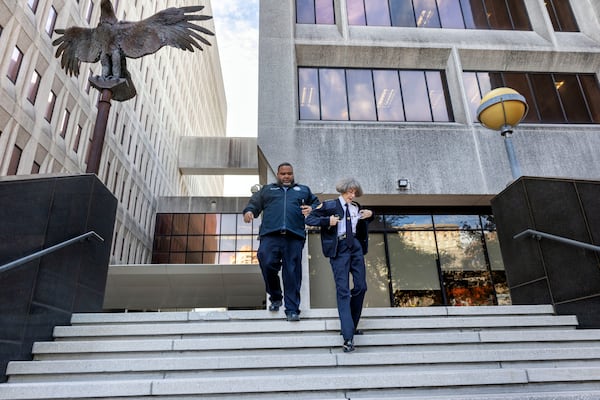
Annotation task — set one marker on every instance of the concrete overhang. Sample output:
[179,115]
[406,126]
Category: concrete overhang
[183,286]
[218,155]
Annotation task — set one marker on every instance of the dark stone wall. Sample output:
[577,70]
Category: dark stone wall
[547,271]
[37,213]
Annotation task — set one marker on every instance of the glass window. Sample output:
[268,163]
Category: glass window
[50,106]
[437,97]
[426,14]
[334,103]
[64,123]
[460,222]
[324,12]
[402,14]
[388,96]
[548,103]
[305,11]
[180,224]
[356,12]
[15,64]
[77,139]
[228,224]
[497,14]
[377,13]
[33,4]
[591,89]
[518,13]
[308,93]
[414,88]
[561,15]
[360,95]
[15,159]
[51,21]
[450,14]
[571,98]
[378,280]
[196,224]
[88,14]
[35,168]
[34,86]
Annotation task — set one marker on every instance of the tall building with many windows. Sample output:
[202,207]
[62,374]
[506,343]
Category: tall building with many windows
[47,117]
[387,91]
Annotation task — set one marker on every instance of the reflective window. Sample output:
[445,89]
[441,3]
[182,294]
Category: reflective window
[64,123]
[205,239]
[15,159]
[372,95]
[314,12]
[50,106]
[51,21]
[15,64]
[561,15]
[552,98]
[77,139]
[453,14]
[33,4]
[360,95]
[34,86]
[423,260]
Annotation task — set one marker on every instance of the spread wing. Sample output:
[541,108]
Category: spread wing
[170,27]
[75,45]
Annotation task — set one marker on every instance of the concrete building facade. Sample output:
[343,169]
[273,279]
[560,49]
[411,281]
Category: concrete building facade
[47,117]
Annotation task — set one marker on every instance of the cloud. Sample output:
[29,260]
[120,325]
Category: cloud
[236,26]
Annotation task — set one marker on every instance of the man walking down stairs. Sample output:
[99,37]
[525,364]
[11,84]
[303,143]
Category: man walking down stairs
[450,353]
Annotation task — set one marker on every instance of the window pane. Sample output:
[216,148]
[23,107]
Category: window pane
[50,106]
[242,227]
[33,4]
[243,243]
[50,21]
[195,243]
[409,222]
[416,98]
[180,224]
[378,282]
[561,16]
[356,12]
[163,224]
[497,14]
[64,123]
[34,86]
[15,159]
[572,98]
[324,11]
[377,12]
[196,224]
[360,95]
[211,223]
[228,224]
[388,96]
[211,243]
[520,83]
[413,269]
[547,98]
[474,14]
[518,12]
[308,93]
[450,14]
[227,243]
[591,90]
[402,13]
[462,222]
[426,14]
[305,11]
[472,91]
[437,96]
[178,243]
[334,104]
[15,64]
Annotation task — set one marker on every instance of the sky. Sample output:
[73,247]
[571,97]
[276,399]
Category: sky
[236,28]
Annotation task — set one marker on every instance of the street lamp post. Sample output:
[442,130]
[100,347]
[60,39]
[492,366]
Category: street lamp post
[501,110]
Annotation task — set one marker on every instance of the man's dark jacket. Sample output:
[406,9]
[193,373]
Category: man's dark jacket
[281,208]
[329,240]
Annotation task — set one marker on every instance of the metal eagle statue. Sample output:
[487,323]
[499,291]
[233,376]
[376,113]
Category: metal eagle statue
[113,41]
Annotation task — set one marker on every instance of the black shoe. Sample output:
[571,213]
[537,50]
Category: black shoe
[357,332]
[274,306]
[348,346]
[293,316]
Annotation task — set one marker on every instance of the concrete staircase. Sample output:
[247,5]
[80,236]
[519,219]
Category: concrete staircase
[450,353]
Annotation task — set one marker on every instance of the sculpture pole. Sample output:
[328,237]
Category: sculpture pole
[93,165]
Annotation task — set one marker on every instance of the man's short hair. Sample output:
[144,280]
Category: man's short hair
[284,164]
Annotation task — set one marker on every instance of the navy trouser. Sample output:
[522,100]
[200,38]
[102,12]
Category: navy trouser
[349,260]
[282,252]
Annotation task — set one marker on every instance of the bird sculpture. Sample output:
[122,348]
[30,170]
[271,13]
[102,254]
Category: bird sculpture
[113,41]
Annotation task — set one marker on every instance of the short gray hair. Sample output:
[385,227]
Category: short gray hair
[347,184]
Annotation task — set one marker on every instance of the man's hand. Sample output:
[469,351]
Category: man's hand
[248,217]
[333,220]
[306,210]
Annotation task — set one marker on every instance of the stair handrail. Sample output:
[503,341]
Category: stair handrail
[48,250]
[539,235]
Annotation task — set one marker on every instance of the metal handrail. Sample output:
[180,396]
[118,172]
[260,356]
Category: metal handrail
[50,249]
[539,235]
